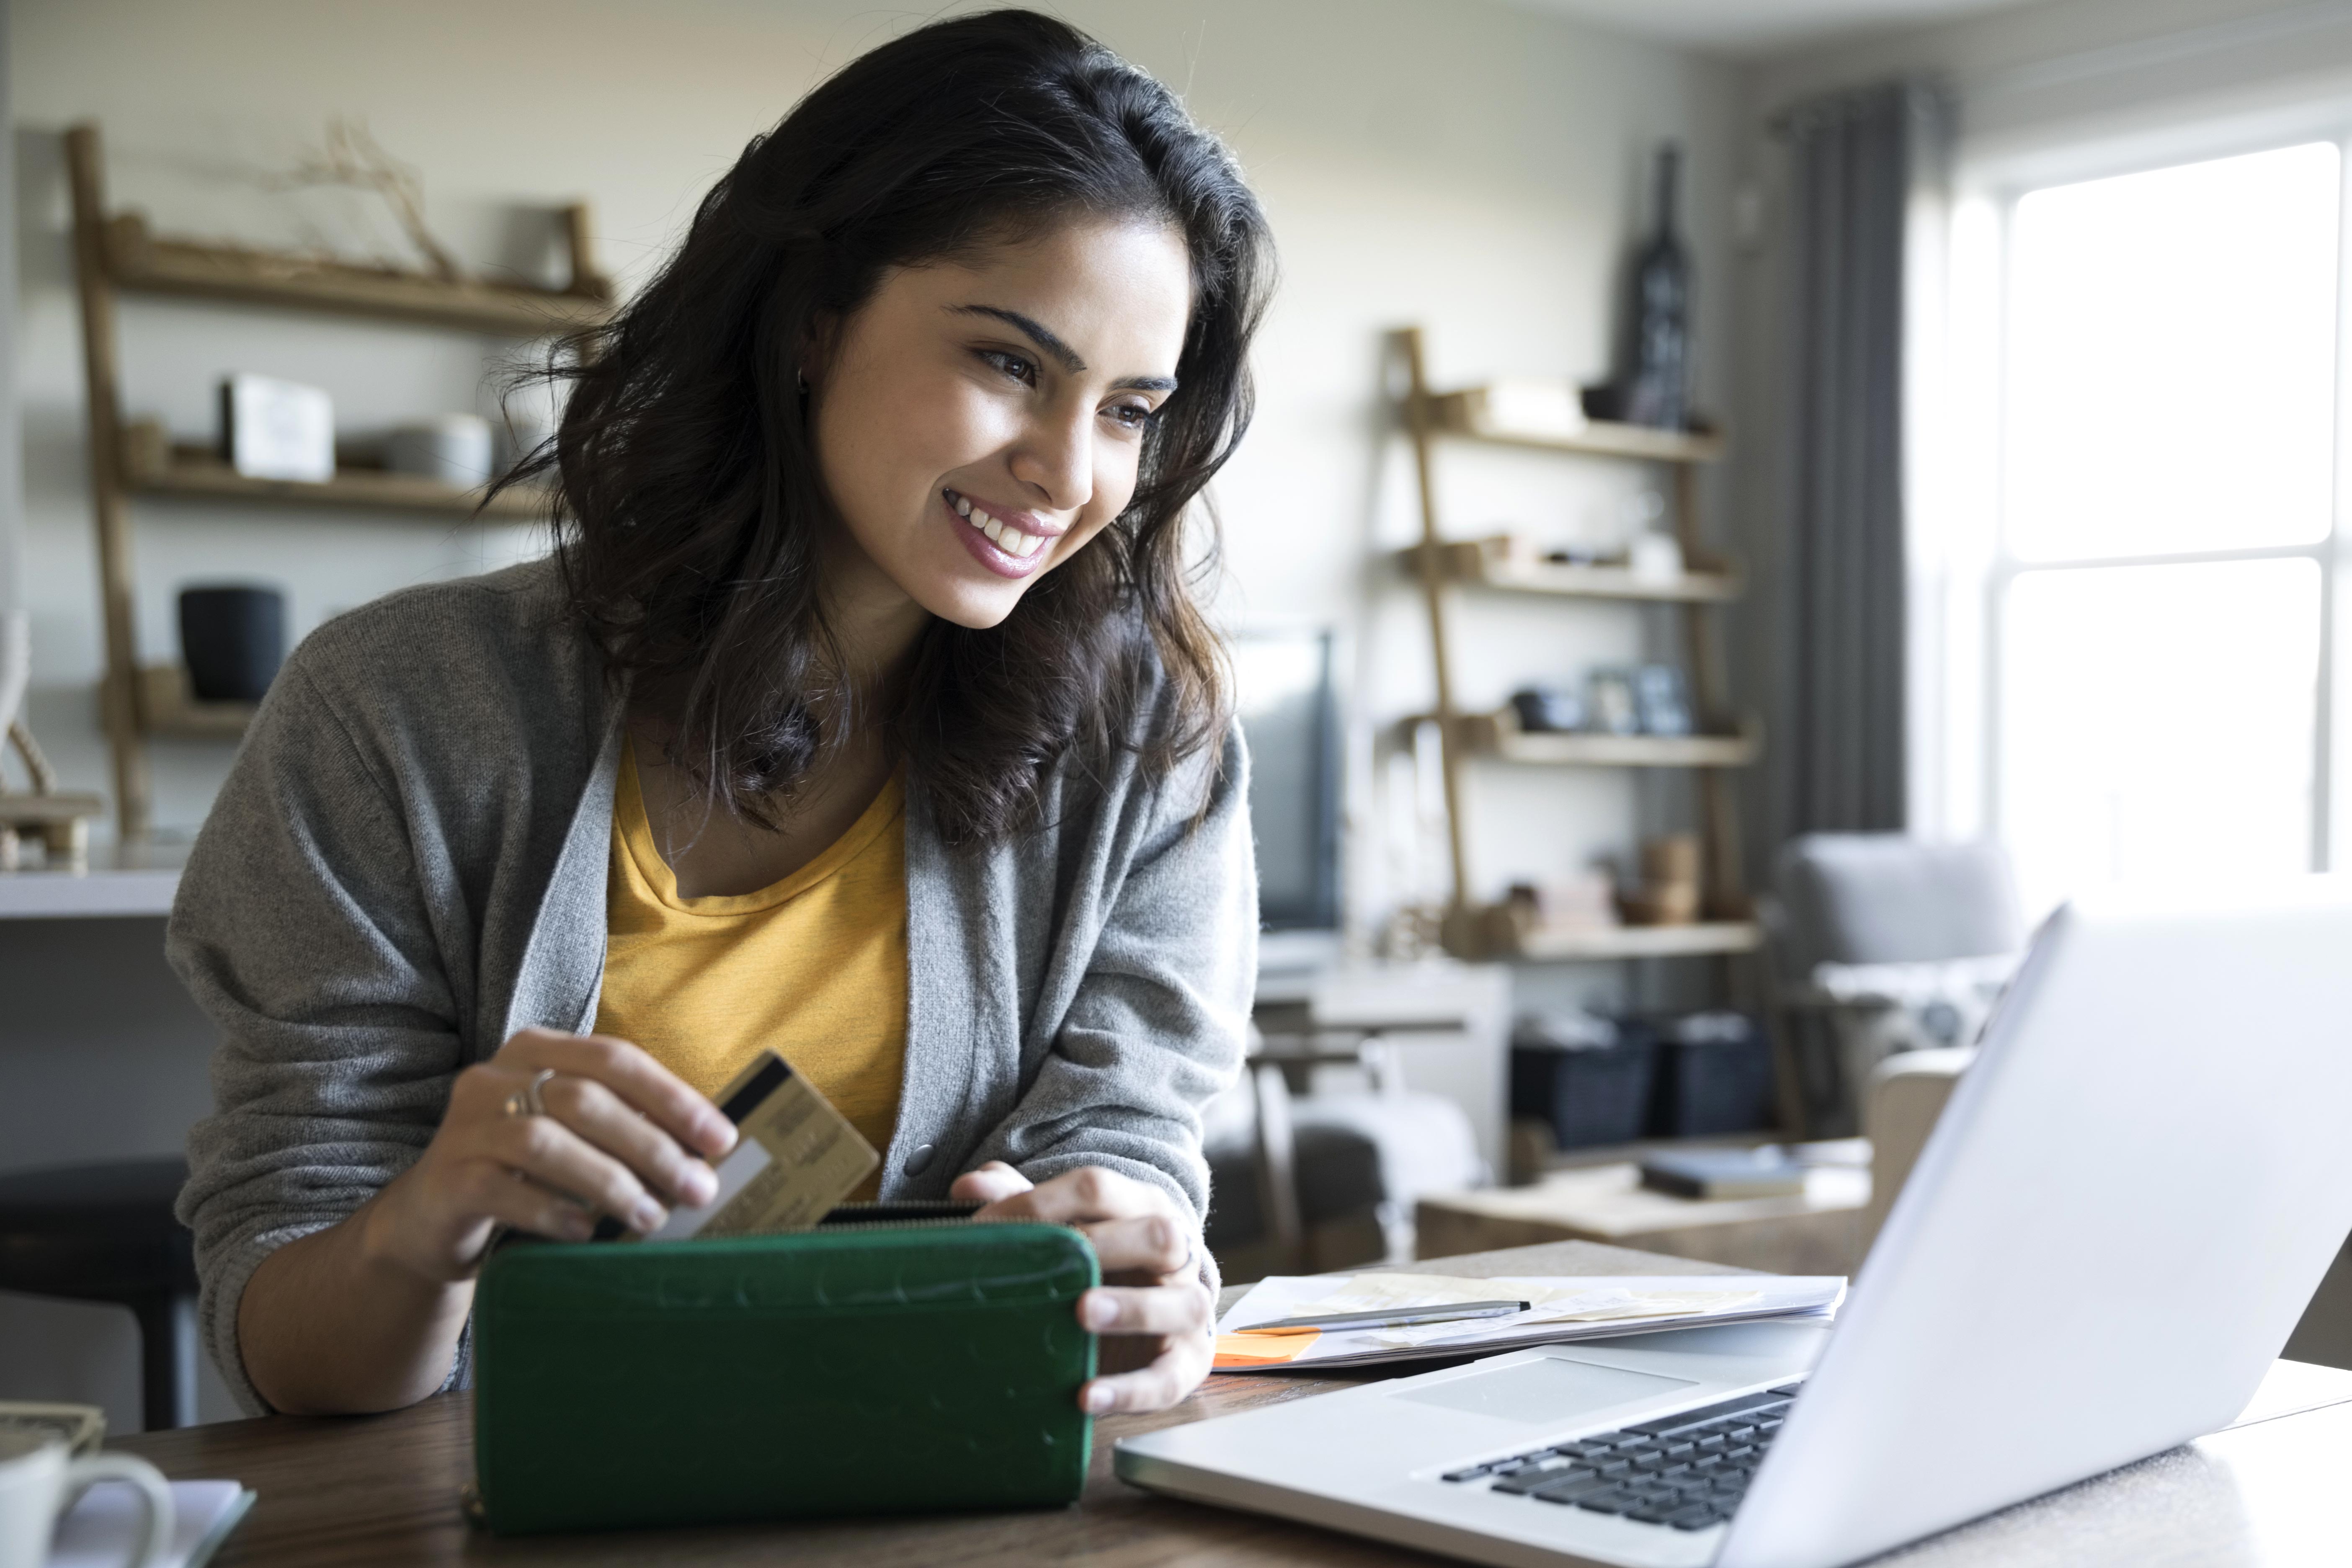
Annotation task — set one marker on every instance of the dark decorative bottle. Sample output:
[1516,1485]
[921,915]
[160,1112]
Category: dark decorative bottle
[1656,389]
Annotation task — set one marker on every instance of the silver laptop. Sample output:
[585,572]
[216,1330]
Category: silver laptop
[2130,1201]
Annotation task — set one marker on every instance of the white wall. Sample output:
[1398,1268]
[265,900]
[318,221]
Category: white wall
[1461,164]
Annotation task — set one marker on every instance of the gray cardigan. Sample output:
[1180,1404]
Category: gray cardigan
[407,865]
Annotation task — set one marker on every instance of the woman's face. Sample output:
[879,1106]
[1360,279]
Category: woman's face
[976,423]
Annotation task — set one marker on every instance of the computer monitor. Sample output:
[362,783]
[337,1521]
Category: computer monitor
[1290,718]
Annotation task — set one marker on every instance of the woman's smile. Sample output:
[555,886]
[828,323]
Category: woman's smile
[1008,543]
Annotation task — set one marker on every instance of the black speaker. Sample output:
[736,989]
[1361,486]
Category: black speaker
[234,638]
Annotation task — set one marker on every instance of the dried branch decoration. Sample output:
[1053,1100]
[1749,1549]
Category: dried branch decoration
[352,157]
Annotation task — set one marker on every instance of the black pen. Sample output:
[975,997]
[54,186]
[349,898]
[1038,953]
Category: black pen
[1393,1318]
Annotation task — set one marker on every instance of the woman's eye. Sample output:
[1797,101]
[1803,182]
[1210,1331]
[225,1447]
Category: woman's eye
[1013,365]
[1129,415]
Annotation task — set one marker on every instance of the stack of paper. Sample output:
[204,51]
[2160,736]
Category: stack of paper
[1558,1311]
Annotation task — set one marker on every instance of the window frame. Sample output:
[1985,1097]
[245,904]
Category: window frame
[1963,567]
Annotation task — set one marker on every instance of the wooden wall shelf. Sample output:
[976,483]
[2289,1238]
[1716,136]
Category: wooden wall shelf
[152,467]
[20,811]
[1499,562]
[113,253]
[1450,416]
[1498,734]
[1603,942]
[1445,567]
[138,260]
[168,707]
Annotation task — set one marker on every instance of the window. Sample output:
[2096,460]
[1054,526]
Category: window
[2156,596]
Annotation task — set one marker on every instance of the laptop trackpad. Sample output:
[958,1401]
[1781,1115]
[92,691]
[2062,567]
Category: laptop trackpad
[1552,1389]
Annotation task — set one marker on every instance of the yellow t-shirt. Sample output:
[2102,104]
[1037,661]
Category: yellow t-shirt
[814,967]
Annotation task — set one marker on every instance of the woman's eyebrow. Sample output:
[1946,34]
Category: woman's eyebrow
[1059,352]
[1037,333]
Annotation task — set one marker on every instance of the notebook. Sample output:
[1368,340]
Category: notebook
[1561,1310]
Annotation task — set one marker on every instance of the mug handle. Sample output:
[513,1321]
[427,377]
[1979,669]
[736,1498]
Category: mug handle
[154,1493]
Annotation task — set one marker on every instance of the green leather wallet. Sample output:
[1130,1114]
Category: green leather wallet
[851,1371]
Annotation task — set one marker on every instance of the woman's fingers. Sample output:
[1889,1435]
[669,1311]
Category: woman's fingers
[1173,1373]
[526,1206]
[543,1148]
[594,1115]
[1155,1244]
[1083,1197]
[600,1117]
[1136,1230]
[991,1183]
[631,1073]
[1147,1310]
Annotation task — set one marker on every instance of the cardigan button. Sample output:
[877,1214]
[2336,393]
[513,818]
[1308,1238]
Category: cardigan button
[921,1160]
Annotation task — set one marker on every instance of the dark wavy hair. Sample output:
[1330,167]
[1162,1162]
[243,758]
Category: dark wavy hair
[689,503]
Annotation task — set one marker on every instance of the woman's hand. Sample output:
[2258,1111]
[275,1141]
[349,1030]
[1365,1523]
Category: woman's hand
[620,1137]
[1154,1309]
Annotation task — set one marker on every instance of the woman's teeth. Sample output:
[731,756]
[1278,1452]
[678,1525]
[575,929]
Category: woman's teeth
[1011,541]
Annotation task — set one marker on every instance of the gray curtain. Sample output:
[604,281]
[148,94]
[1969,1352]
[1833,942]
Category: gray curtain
[15,648]
[1855,160]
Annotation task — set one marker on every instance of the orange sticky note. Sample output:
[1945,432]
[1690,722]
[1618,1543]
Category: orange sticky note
[1246,1348]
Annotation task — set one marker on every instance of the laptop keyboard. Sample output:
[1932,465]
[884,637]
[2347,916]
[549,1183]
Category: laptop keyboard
[1686,1470]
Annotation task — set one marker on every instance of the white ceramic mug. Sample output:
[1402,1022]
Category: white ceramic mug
[38,1481]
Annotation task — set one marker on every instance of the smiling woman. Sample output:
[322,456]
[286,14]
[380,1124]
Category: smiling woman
[863,712]
[991,251]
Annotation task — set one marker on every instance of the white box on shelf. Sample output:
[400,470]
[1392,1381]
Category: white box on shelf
[277,429]
[1533,407]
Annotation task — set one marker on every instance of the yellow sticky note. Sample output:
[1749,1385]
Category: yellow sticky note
[1262,1350]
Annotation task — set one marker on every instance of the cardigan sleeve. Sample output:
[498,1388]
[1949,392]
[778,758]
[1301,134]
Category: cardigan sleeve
[299,929]
[1159,1021]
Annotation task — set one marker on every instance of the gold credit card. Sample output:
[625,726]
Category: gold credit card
[796,1158]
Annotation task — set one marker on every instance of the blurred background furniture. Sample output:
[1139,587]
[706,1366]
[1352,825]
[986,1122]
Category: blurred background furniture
[1880,943]
[1307,1177]
[1283,1199]
[1692,582]
[1909,1093]
[1810,1233]
[114,253]
[1588,1086]
[105,1233]
[58,820]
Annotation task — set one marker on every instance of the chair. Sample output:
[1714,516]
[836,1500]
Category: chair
[1286,1199]
[1306,1182]
[107,1233]
[1885,902]
[1906,1097]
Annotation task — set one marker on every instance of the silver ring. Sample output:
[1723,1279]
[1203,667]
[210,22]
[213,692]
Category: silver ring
[526,1101]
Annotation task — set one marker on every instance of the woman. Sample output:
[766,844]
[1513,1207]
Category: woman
[862,711]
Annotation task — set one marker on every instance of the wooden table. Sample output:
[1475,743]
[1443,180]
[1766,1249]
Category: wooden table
[341,1493]
[1812,1232]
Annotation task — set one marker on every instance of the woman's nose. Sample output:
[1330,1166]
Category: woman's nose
[1056,459]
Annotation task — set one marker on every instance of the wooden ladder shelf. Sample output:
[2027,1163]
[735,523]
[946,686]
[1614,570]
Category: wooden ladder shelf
[1443,566]
[114,253]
